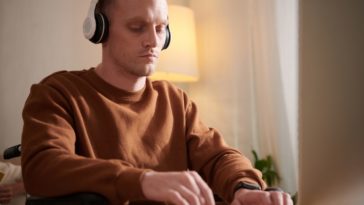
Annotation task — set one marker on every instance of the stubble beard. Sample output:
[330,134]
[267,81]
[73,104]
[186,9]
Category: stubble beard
[146,71]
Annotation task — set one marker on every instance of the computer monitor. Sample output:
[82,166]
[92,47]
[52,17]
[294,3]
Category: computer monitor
[331,108]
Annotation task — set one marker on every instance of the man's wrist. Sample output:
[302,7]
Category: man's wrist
[246,185]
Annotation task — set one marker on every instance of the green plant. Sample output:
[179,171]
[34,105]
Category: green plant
[270,176]
[266,166]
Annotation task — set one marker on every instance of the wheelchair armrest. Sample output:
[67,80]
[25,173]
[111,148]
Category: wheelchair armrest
[73,199]
[12,152]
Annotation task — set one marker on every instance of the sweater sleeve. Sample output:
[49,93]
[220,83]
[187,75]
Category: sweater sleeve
[50,165]
[219,165]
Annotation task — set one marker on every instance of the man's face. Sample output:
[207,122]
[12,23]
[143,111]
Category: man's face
[137,34]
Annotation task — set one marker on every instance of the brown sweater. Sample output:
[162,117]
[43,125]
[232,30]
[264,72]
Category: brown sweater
[83,135]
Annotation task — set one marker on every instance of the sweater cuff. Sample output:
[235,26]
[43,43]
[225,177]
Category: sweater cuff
[128,186]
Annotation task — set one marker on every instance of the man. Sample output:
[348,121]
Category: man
[110,130]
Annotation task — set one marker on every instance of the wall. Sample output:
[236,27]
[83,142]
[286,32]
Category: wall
[37,38]
[223,92]
[331,102]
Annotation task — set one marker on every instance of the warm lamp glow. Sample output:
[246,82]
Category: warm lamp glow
[178,63]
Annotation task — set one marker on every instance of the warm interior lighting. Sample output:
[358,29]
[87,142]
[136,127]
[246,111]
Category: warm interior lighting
[178,63]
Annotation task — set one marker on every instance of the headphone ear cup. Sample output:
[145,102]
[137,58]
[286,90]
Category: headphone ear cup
[102,28]
[168,38]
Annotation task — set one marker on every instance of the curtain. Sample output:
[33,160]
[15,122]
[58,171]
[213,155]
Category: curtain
[248,77]
[273,45]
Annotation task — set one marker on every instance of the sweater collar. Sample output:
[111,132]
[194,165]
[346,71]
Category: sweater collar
[114,93]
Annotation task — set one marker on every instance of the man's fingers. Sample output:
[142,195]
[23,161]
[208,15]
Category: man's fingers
[190,196]
[204,188]
[246,196]
[176,198]
[276,198]
[280,198]
[190,182]
[192,185]
[287,199]
[177,187]
[5,197]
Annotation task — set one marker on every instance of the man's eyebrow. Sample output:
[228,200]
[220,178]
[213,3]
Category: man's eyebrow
[136,19]
[139,19]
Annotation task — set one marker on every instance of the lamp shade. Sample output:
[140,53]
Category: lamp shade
[178,63]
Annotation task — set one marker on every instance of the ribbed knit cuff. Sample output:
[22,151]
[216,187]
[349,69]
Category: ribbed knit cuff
[128,186]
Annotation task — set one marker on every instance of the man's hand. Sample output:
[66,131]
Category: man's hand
[6,194]
[256,197]
[180,188]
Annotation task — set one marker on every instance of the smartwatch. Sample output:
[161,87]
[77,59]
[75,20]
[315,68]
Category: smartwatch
[246,185]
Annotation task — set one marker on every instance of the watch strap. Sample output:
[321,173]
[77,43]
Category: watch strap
[246,185]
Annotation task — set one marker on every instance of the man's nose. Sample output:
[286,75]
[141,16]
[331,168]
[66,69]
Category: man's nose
[151,39]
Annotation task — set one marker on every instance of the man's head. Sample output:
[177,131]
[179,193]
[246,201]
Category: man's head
[102,8]
[136,34]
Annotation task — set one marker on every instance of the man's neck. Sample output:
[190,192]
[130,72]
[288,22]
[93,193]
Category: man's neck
[120,78]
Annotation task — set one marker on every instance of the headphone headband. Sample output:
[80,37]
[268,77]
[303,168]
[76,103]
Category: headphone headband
[96,26]
[89,25]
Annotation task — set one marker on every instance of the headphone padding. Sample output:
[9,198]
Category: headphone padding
[101,31]
[168,38]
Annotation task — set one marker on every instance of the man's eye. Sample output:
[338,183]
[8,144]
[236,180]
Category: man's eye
[160,29]
[136,28]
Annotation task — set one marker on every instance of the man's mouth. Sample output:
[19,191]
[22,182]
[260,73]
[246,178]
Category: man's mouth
[149,56]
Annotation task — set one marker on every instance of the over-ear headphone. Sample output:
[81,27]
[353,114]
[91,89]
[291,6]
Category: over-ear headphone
[96,26]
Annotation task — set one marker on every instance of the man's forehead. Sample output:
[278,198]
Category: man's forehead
[127,4]
[142,8]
